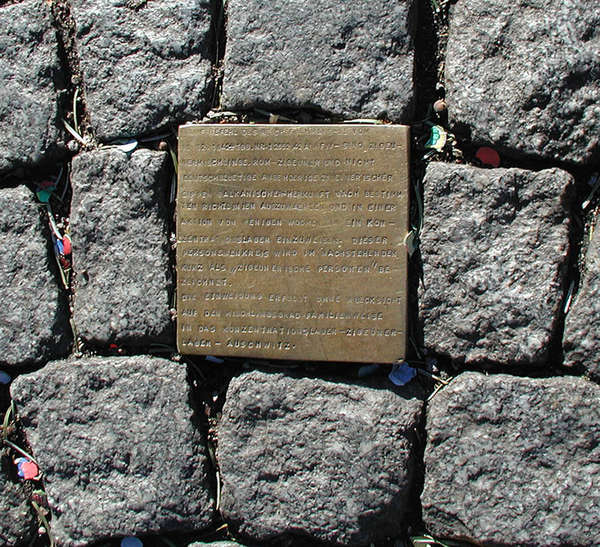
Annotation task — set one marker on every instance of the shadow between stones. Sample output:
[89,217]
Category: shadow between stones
[427,59]
[219,23]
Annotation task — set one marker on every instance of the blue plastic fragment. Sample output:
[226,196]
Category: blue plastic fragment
[5,378]
[214,359]
[131,541]
[59,246]
[401,374]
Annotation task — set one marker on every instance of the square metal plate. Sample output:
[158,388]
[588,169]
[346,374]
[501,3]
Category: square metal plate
[290,241]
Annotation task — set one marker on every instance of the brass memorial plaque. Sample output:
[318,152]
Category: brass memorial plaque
[290,241]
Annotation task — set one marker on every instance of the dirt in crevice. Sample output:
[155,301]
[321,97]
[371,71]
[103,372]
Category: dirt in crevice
[428,81]
[415,509]
[427,61]
[208,383]
[219,23]
[76,112]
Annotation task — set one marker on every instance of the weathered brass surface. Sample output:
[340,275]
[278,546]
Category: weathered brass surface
[290,241]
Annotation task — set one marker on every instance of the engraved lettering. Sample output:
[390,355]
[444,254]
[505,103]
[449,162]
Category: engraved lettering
[292,234]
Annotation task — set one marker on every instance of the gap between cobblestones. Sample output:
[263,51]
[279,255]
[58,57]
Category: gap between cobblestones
[74,107]
[219,22]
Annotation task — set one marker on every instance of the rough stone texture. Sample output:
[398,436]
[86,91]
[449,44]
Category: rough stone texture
[146,65]
[514,461]
[17,522]
[115,440]
[329,461]
[581,342]
[525,76]
[29,72]
[120,247]
[494,248]
[356,61]
[34,324]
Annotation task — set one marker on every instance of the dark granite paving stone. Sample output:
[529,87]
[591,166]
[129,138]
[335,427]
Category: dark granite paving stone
[29,78]
[354,59]
[146,65]
[323,460]
[525,76]
[120,247]
[115,440]
[35,325]
[514,461]
[495,246]
[581,342]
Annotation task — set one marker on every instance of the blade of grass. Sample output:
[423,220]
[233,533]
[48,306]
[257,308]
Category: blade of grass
[74,133]
[218,504]
[155,138]
[167,541]
[173,188]
[414,345]
[435,391]
[44,522]
[419,208]
[433,376]
[20,450]
[52,223]
[76,340]
[567,306]
[75,122]
[7,418]
[426,540]
[66,186]
[364,120]
[173,157]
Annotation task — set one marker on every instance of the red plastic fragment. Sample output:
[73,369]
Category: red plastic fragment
[66,245]
[488,156]
[26,469]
